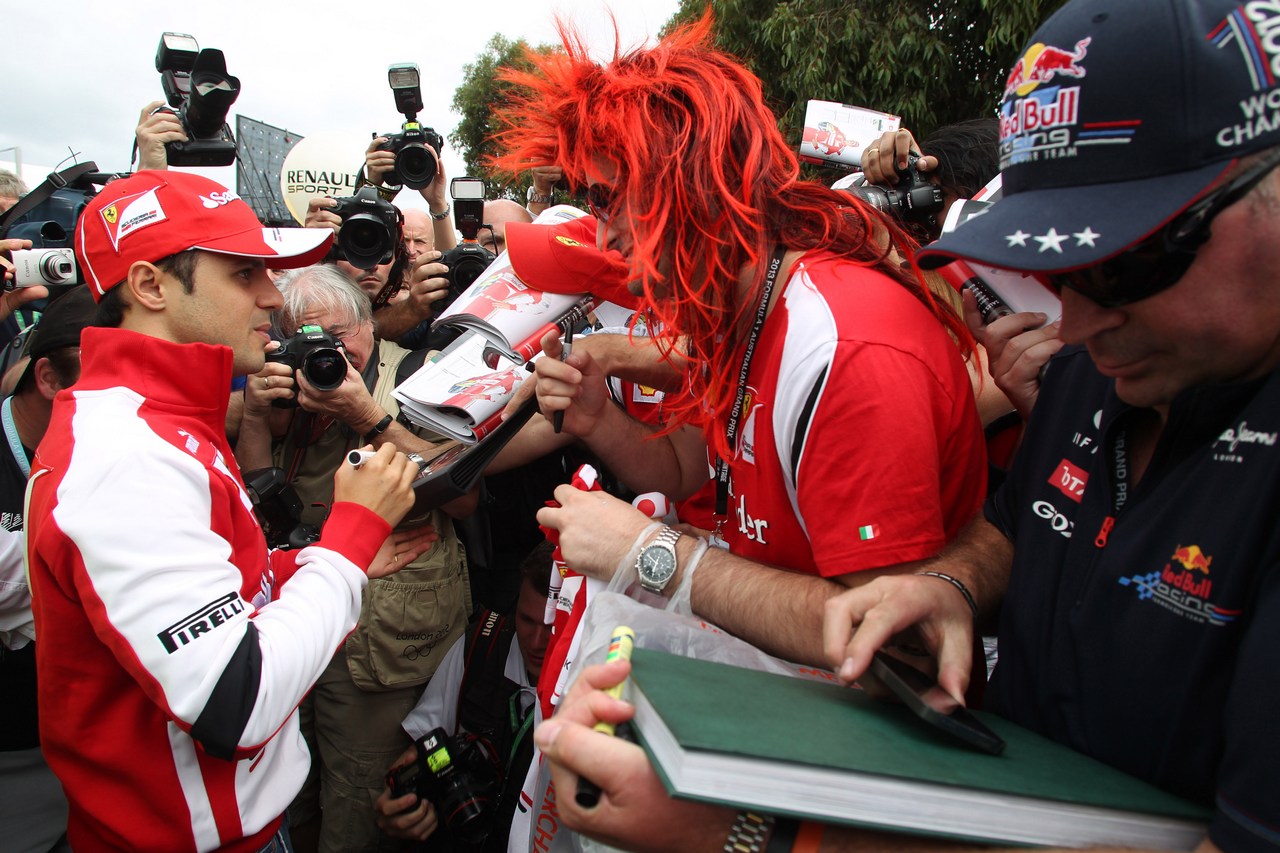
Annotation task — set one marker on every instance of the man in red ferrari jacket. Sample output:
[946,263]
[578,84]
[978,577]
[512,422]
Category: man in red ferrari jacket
[173,648]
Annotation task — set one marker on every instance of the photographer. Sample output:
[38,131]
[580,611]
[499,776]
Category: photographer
[157,127]
[379,163]
[424,278]
[352,717]
[32,806]
[961,159]
[470,697]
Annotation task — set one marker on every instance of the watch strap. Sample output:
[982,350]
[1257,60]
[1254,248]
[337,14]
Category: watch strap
[667,537]
[749,833]
[378,429]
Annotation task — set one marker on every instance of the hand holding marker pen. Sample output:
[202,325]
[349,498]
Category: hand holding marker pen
[566,350]
[620,646]
[359,457]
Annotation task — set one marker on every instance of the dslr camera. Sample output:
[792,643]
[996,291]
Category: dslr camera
[456,775]
[371,229]
[200,91]
[468,260]
[415,146]
[279,509]
[913,199]
[313,352]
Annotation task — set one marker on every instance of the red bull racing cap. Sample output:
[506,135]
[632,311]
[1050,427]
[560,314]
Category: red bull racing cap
[153,214]
[1114,120]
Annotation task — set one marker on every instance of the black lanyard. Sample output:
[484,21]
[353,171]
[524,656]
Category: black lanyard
[1121,463]
[735,414]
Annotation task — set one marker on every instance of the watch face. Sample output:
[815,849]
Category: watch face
[657,564]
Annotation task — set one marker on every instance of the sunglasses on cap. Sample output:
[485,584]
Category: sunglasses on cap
[1159,261]
[599,199]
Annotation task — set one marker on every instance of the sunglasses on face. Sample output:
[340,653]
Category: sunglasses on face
[599,199]
[1158,262]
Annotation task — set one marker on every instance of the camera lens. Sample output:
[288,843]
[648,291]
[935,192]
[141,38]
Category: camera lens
[467,270]
[56,269]
[325,368]
[876,197]
[364,240]
[416,164]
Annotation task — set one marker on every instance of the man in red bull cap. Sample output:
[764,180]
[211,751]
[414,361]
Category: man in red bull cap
[170,645]
[1144,185]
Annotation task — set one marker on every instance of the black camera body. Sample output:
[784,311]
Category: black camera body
[371,229]
[313,352]
[279,509]
[468,260]
[200,92]
[913,199]
[415,148]
[457,776]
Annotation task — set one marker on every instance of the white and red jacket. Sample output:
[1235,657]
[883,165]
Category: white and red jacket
[171,661]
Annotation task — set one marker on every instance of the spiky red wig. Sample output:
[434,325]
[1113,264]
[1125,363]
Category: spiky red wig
[705,185]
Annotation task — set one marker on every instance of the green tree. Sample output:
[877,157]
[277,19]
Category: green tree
[933,62]
[474,101]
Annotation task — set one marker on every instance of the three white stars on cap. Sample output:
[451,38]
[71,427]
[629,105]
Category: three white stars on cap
[1052,240]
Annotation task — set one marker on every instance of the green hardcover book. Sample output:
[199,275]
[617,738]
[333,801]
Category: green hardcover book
[810,749]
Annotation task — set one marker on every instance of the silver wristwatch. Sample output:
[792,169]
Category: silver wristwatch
[656,564]
[534,197]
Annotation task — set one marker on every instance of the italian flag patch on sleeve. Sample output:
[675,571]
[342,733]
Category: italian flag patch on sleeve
[869,531]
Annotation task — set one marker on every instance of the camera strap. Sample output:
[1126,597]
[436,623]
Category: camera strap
[735,414]
[54,182]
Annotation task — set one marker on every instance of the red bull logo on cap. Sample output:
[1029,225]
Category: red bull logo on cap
[1041,64]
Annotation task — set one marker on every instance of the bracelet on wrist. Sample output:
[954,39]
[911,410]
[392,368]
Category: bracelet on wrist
[444,214]
[749,833]
[958,584]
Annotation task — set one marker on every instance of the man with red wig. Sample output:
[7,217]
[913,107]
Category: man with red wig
[822,373]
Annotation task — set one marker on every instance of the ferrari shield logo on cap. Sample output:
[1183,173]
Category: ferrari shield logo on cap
[131,214]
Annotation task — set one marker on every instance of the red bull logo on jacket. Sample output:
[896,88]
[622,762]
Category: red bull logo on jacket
[1183,587]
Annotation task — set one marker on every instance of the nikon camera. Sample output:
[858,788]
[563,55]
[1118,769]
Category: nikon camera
[458,778]
[415,146]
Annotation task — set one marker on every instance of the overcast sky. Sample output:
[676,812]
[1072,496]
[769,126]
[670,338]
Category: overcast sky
[76,73]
